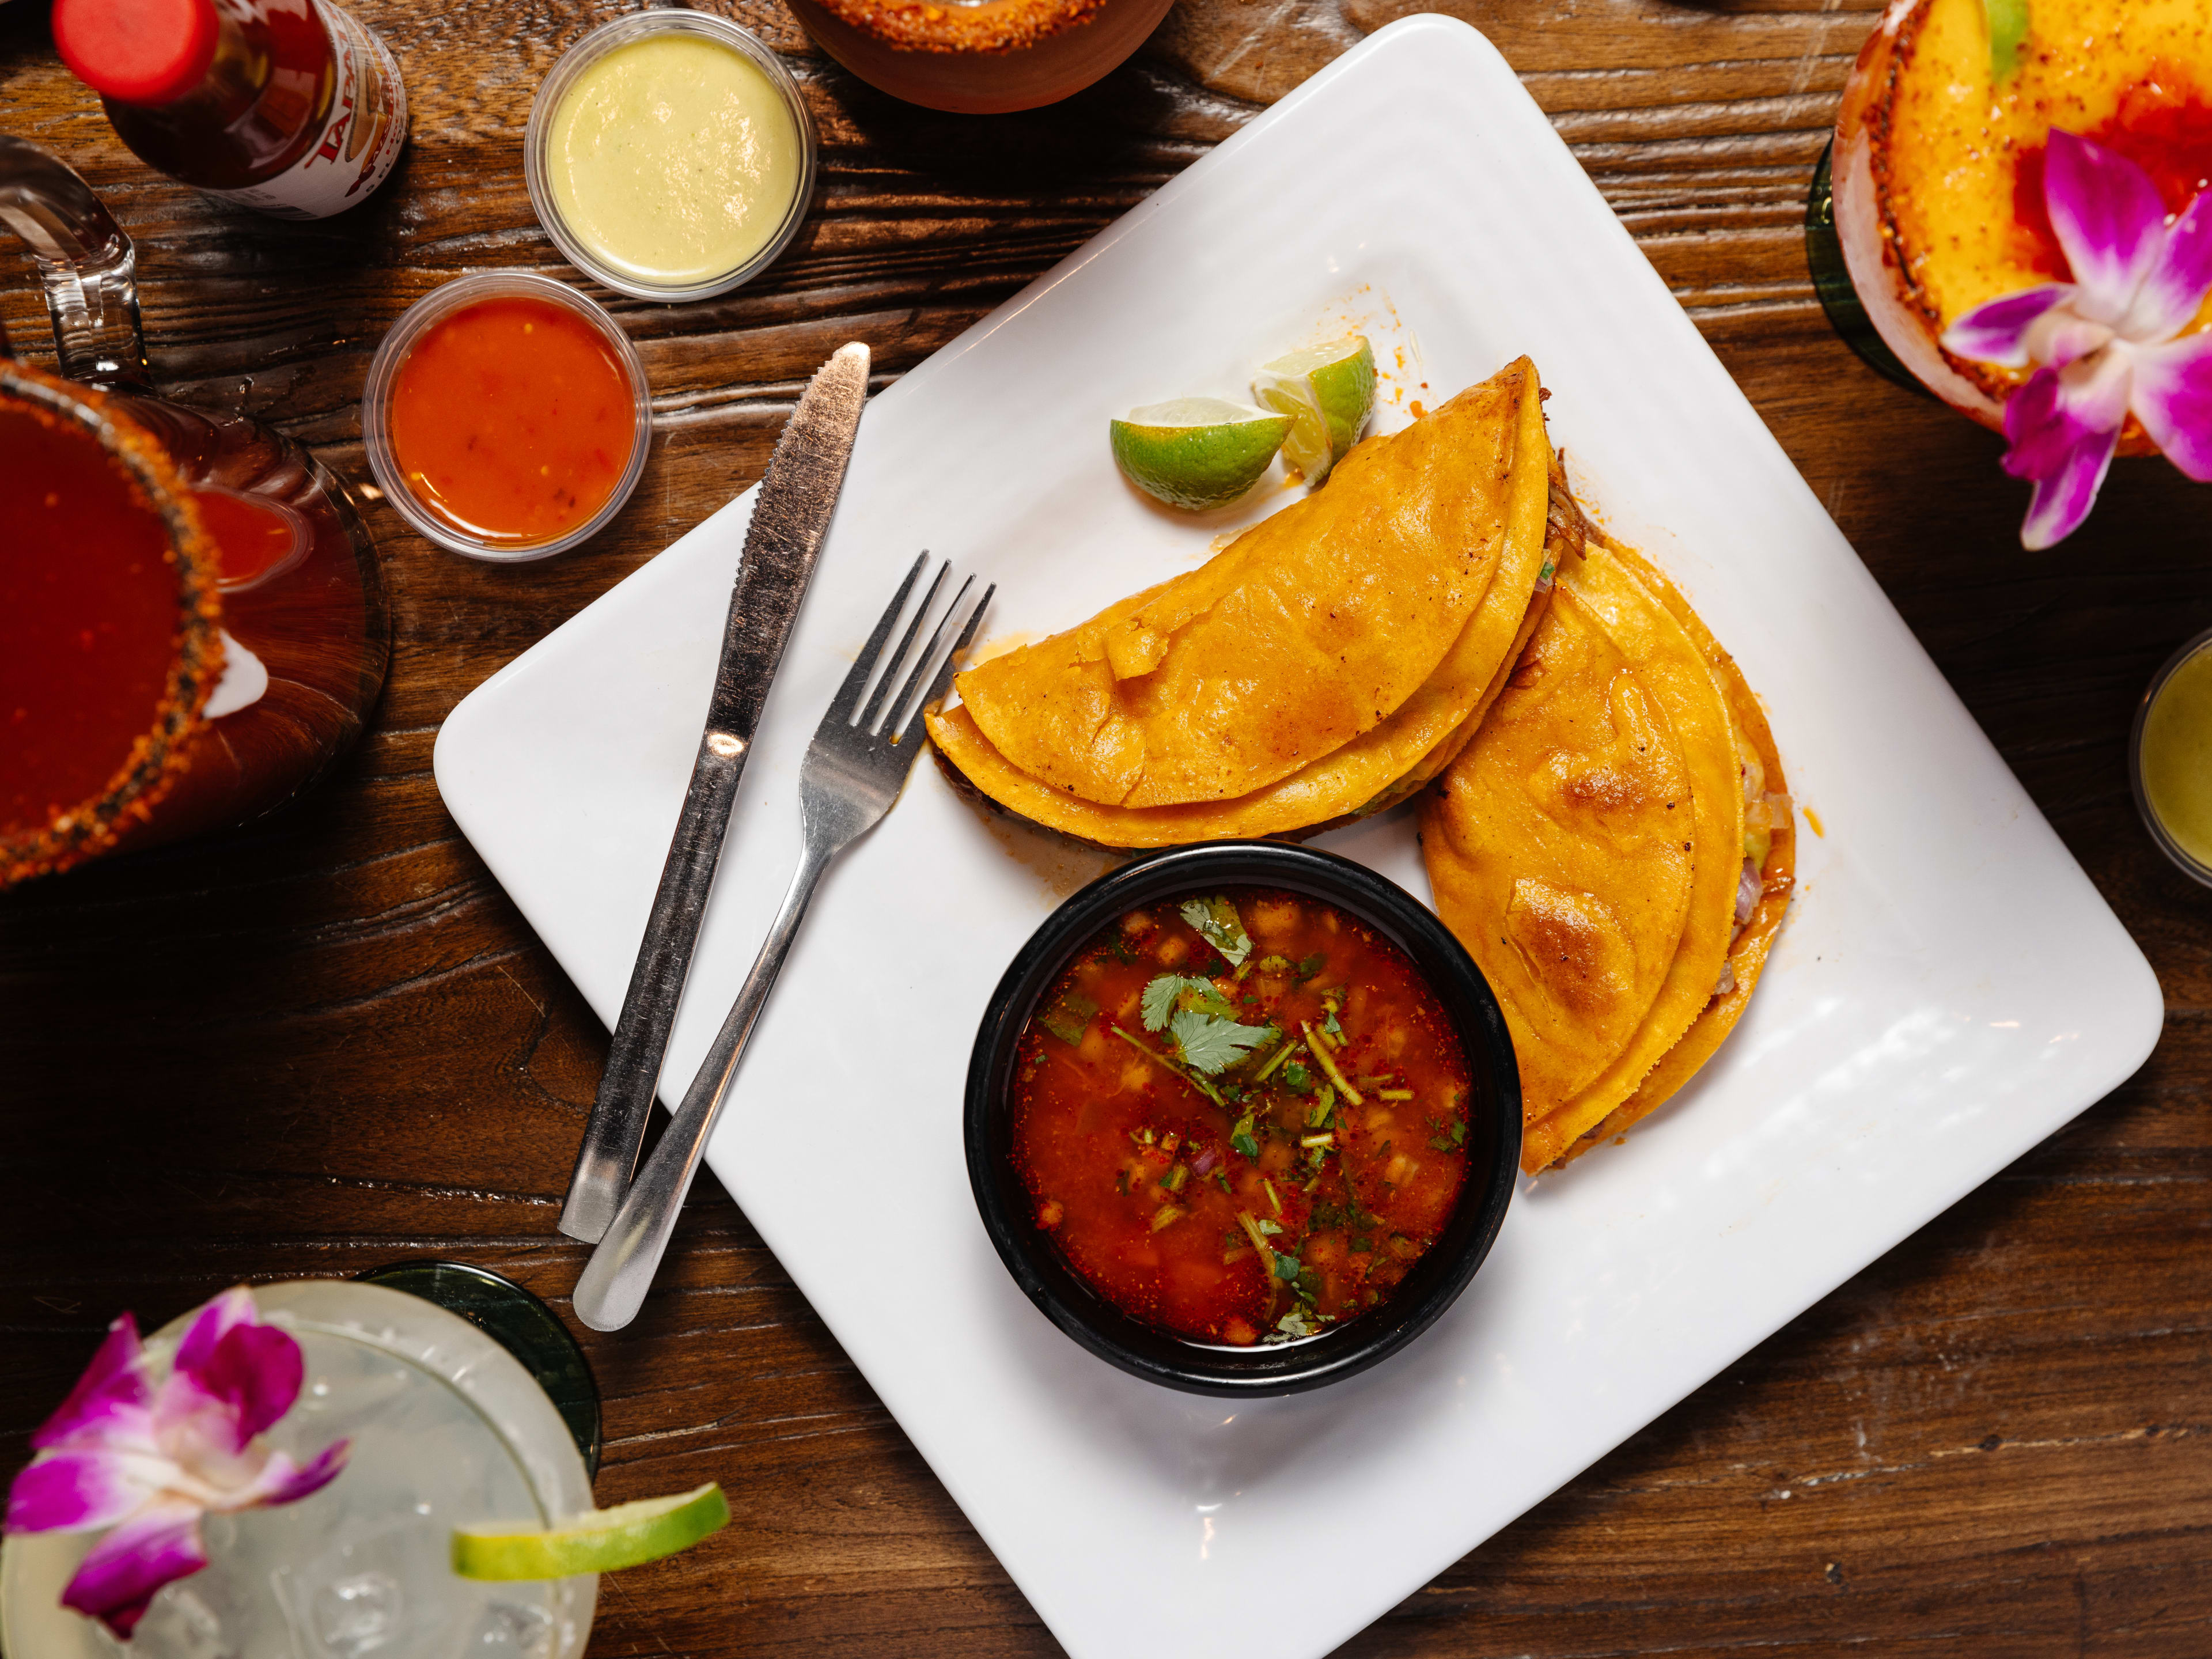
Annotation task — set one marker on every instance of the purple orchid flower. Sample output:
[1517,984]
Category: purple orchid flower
[148,1461]
[2109,344]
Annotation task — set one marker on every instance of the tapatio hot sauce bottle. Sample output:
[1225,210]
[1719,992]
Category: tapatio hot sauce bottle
[289,106]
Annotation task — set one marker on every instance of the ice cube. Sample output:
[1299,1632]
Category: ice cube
[357,1615]
[510,1629]
[180,1625]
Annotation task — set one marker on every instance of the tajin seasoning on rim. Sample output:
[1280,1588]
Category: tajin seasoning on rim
[512,421]
[89,619]
[288,106]
[1242,1115]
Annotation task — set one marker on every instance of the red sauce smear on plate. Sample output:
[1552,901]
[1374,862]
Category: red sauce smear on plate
[512,420]
[1274,1149]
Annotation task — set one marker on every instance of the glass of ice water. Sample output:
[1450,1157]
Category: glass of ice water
[448,1429]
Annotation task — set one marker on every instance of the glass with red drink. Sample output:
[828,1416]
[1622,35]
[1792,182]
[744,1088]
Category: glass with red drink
[192,622]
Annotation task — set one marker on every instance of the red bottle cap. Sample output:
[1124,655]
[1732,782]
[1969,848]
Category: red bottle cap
[137,51]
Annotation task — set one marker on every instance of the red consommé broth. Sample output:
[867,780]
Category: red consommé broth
[1286,1205]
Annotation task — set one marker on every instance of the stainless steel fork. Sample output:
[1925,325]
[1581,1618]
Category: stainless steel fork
[854,771]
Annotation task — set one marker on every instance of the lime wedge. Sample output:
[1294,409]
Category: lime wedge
[1197,452]
[1328,391]
[604,1540]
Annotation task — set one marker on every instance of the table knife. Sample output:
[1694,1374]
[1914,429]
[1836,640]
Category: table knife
[798,496]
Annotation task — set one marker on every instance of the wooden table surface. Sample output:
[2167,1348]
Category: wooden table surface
[330,1041]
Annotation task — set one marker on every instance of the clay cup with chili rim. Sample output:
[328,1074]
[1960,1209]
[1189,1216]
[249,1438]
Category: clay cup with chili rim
[984,59]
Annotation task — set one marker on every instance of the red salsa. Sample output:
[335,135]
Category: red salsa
[1242,1115]
[512,420]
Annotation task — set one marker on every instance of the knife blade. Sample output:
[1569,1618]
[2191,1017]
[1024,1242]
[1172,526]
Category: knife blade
[790,516]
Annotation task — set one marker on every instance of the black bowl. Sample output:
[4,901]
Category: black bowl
[1493,1141]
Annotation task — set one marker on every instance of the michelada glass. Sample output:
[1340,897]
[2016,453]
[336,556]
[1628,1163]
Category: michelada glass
[192,619]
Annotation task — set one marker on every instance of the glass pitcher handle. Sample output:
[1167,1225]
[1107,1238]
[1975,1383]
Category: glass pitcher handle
[85,262]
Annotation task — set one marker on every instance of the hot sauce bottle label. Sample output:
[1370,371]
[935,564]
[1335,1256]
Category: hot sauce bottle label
[367,125]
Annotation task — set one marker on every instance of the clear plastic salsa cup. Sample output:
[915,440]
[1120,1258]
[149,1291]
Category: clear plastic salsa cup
[537,141]
[2168,841]
[392,357]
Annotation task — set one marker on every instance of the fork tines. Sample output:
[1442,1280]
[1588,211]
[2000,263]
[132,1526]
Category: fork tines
[927,672]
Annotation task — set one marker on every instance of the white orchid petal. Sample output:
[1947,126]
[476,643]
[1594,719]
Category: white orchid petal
[2172,395]
[2174,290]
[2060,337]
[2064,425]
[2109,218]
[1999,331]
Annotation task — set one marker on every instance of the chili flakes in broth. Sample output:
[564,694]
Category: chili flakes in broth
[1242,1115]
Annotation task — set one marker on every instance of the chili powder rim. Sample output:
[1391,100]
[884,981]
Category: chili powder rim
[159,754]
[1146,1350]
[979,27]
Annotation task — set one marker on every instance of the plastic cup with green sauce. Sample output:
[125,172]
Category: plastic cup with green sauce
[2170,758]
[670,155]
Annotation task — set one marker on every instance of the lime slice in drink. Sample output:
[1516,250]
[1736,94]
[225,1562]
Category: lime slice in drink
[1197,452]
[604,1540]
[1328,391]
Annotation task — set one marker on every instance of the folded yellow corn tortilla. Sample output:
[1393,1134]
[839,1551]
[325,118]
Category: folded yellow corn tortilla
[1774,865]
[1686,687]
[1309,630]
[1566,531]
[1559,848]
[1351,778]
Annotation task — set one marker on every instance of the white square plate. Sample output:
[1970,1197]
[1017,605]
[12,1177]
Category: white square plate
[1949,989]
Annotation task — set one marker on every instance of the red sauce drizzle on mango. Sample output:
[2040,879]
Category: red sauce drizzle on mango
[2163,124]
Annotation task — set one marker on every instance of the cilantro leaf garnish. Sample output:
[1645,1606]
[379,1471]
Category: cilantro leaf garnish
[1312,966]
[1217,923]
[1159,1000]
[1176,1066]
[1068,1017]
[1297,1077]
[1169,992]
[1301,1320]
[1211,1044]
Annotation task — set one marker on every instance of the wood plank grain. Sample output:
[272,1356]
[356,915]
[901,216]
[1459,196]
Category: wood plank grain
[330,1041]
